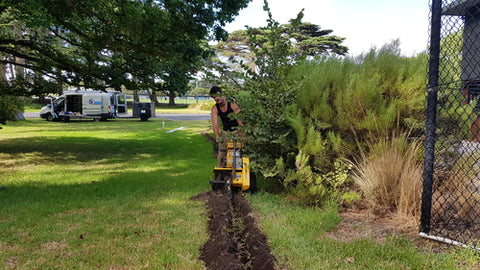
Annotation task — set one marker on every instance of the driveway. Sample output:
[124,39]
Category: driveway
[168,116]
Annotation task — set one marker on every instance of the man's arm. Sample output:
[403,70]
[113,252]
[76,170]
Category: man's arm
[214,116]
[236,110]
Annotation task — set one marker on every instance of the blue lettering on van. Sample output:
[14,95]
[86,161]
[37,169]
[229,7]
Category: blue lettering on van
[94,102]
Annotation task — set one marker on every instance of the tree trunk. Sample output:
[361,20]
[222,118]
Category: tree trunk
[19,69]
[171,99]
[41,99]
[153,96]
[3,71]
[135,96]
[10,67]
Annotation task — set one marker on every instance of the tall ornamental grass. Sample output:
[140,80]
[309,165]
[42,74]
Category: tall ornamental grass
[390,176]
[343,105]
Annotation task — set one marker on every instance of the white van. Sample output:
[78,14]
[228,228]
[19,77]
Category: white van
[86,105]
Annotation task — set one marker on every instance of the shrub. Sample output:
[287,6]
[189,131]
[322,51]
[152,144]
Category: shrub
[390,176]
[373,93]
[344,103]
[314,188]
[264,98]
[9,106]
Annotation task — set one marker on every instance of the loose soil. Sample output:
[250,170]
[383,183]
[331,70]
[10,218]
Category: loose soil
[235,241]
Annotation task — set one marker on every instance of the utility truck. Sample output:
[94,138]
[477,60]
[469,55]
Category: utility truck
[94,105]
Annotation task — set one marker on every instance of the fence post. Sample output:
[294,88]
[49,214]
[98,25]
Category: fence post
[431,115]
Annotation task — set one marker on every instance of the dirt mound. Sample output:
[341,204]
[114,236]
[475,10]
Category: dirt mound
[235,241]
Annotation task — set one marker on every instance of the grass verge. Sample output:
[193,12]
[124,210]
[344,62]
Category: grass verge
[107,195]
[298,239]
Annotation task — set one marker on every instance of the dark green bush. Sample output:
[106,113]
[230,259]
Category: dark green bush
[264,100]
[9,106]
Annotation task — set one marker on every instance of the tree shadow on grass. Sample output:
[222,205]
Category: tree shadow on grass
[89,192]
[149,165]
[148,210]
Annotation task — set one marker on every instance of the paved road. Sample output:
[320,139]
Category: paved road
[168,116]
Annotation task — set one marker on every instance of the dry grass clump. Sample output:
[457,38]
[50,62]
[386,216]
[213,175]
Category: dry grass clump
[390,176]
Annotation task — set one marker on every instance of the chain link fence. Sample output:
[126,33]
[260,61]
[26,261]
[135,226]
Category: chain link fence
[451,190]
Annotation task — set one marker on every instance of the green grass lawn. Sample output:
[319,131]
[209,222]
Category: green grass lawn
[110,195]
[297,237]
[116,195]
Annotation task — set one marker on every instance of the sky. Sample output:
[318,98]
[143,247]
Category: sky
[365,24]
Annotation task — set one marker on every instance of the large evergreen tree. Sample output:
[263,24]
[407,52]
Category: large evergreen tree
[302,39]
[101,44]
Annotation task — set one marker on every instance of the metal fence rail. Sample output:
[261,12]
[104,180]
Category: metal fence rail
[451,189]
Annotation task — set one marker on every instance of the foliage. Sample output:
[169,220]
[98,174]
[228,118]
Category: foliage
[310,40]
[450,57]
[303,39]
[9,106]
[263,99]
[342,104]
[305,118]
[390,176]
[454,108]
[312,188]
[350,100]
[103,44]
[266,90]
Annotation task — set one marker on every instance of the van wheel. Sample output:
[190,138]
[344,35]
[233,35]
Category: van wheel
[49,117]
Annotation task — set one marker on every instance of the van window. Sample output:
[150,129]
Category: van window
[121,99]
[58,100]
